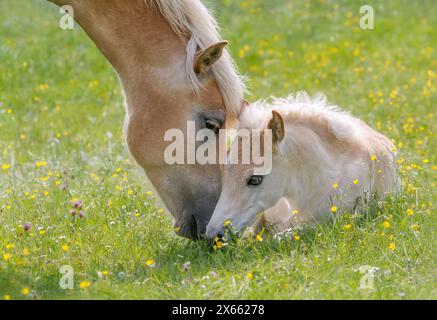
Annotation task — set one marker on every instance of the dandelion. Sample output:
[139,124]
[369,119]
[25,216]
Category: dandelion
[150,263]
[348,226]
[6,166]
[42,232]
[218,244]
[26,252]
[296,237]
[415,227]
[373,157]
[334,209]
[65,247]
[85,284]
[410,212]
[7,256]
[386,225]
[335,186]
[25,291]
[392,246]
[227,223]
[356,181]
[425,161]
[249,275]
[40,164]
[9,246]
[105,273]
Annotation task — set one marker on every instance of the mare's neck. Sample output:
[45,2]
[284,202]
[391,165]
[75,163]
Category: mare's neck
[137,41]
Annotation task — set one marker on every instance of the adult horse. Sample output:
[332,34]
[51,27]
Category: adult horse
[173,68]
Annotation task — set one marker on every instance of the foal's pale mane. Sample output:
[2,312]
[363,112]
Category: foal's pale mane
[191,19]
[305,110]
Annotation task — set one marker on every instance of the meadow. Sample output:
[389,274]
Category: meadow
[61,143]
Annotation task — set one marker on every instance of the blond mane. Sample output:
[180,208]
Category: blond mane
[190,18]
[306,109]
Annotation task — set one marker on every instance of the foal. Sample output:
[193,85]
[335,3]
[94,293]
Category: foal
[323,161]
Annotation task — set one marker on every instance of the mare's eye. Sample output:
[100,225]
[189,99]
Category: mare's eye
[255,180]
[213,125]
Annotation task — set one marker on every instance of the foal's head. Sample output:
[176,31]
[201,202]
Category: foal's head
[245,193]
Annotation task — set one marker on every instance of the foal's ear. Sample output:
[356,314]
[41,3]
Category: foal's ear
[276,124]
[204,59]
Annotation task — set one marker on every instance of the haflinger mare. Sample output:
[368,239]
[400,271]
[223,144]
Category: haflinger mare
[324,162]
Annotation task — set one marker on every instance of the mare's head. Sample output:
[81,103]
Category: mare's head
[191,79]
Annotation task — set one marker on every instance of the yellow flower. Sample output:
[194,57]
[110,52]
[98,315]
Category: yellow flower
[25,291]
[425,161]
[227,223]
[356,181]
[26,252]
[105,273]
[65,247]
[42,232]
[348,226]
[392,246]
[386,224]
[295,211]
[85,284]
[7,256]
[296,237]
[150,263]
[415,227]
[373,157]
[9,245]
[218,245]
[334,209]
[40,164]
[149,193]
[259,238]
[410,212]
[5,166]
[7,297]
[249,275]
[335,186]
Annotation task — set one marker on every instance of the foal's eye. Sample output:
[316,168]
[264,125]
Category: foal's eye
[255,180]
[213,125]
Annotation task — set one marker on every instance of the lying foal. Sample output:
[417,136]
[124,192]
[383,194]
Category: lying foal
[324,161]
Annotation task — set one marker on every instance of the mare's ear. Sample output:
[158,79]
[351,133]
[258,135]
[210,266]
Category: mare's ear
[204,59]
[276,124]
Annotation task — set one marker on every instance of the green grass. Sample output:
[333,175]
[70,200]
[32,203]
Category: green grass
[60,103]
